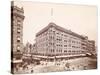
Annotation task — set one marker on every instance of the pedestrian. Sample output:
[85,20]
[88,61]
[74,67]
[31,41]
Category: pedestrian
[32,71]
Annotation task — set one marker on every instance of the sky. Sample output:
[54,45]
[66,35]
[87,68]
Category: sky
[81,19]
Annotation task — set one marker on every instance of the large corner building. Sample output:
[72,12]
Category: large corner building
[54,40]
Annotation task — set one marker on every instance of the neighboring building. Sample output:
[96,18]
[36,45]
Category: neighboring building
[54,40]
[28,48]
[27,54]
[96,50]
[33,51]
[91,46]
[17,17]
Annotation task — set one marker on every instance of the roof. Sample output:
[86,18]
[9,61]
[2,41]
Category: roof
[51,24]
[17,11]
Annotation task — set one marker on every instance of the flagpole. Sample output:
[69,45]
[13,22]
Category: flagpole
[51,14]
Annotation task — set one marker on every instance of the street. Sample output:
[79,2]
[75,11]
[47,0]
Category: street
[83,63]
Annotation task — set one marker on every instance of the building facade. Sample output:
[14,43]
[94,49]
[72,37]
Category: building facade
[91,46]
[34,51]
[54,40]
[17,18]
[28,48]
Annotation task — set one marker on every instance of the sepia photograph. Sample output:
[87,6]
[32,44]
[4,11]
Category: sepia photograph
[53,37]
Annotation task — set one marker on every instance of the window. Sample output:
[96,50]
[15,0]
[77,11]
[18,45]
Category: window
[53,44]
[18,30]
[58,33]
[53,31]
[62,34]
[18,20]
[65,45]
[65,50]
[73,46]
[61,50]
[69,45]
[65,40]
[50,30]
[69,40]
[18,47]
[59,39]
[73,41]
[53,50]
[65,35]
[18,39]
[51,37]
[57,50]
